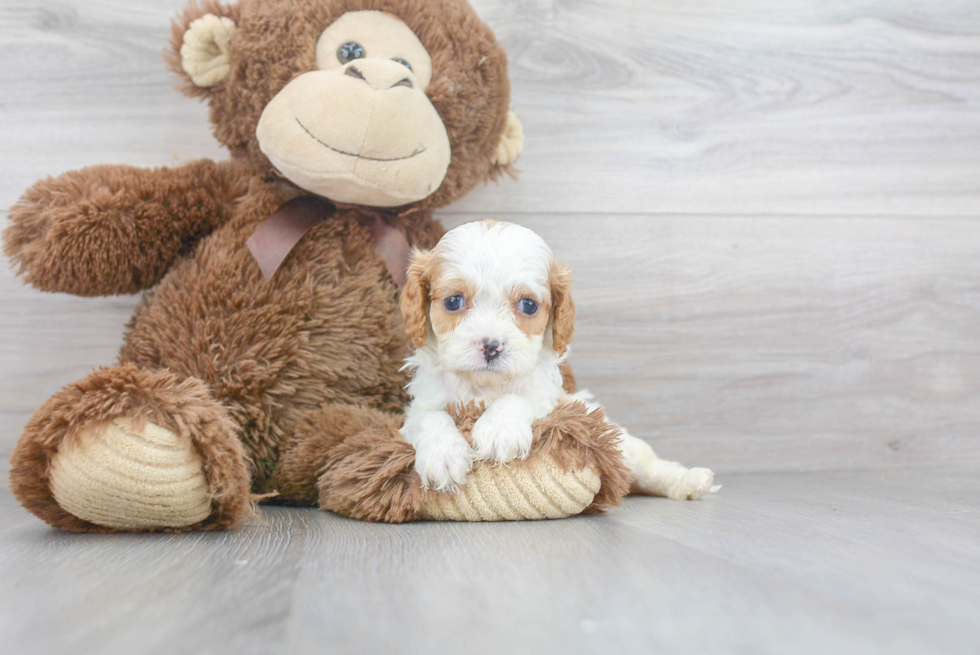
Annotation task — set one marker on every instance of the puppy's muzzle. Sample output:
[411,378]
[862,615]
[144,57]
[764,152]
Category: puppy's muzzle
[491,349]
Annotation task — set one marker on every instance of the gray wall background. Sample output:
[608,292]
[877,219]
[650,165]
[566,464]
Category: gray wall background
[772,208]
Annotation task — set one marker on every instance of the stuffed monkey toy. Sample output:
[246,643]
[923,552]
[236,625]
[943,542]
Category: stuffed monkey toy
[265,357]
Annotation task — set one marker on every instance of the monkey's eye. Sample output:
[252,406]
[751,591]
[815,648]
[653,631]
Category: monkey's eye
[527,306]
[453,303]
[349,52]
[403,63]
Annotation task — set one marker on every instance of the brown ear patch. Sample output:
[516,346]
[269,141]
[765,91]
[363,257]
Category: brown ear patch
[414,300]
[563,313]
[531,326]
[443,320]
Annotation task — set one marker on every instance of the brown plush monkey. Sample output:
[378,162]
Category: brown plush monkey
[272,332]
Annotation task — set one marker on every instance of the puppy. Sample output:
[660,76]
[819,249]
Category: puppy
[490,313]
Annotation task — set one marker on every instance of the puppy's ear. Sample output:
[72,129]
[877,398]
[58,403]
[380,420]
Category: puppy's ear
[563,309]
[415,297]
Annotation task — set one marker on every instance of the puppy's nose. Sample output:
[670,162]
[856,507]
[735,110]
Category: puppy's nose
[491,349]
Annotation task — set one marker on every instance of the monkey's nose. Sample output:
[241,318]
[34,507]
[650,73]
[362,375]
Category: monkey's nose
[491,349]
[380,74]
[354,72]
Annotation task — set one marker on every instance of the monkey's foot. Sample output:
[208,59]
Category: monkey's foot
[132,449]
[131,479]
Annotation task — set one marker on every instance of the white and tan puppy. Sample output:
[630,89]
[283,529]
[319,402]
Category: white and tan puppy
[490,313]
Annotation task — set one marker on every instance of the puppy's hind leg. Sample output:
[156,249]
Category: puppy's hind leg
[658,477]
[651,475]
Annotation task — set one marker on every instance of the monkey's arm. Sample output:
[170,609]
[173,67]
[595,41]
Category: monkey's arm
[108,230]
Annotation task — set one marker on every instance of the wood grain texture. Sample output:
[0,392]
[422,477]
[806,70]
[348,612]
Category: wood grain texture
[708,106]
[835,329]
[699,106]
[805,563]
[773,213]
[746,343]
[738,343]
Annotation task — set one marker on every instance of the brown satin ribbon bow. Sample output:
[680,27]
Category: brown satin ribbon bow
[277,235]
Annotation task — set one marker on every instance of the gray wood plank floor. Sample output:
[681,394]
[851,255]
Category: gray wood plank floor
[772,208]
[846,562]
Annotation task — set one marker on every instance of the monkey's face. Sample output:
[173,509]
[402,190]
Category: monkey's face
[381,103]
[360,128]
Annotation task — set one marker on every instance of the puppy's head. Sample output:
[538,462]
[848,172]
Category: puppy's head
[491,297]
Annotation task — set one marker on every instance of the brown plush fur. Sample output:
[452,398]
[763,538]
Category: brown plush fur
[308,450]
[185,407]
[324,330]
[107,230]
[371,475]
[276,41]
[274,373]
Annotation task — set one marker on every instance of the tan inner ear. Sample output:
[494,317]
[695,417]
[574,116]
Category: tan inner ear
[204,53]
[511,141]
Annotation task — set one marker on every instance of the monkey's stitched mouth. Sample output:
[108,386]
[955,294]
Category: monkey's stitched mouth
[351,154]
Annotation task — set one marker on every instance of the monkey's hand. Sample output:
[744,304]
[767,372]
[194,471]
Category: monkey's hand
[109,230]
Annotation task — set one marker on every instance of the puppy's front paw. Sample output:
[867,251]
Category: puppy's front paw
[500,437]
[442,463]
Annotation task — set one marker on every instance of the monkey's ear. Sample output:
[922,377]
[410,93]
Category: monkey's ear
[200,45]
[414,301]
[511,142]
[563,312]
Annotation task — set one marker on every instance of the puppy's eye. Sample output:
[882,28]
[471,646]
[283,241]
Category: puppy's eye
[453,303]
[350,51]
[527,306]
[403,63]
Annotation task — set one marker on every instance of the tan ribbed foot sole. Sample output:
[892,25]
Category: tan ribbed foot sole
[118,478]
[518,491]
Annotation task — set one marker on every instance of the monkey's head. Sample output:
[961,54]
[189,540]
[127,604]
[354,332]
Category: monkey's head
[374,102]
